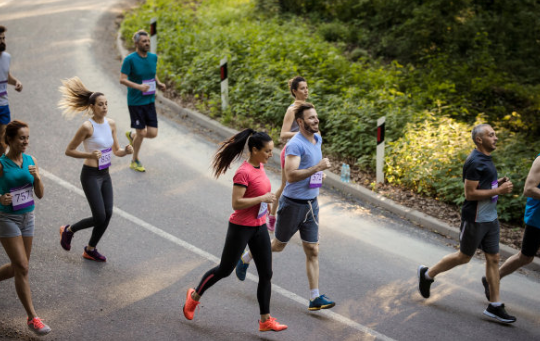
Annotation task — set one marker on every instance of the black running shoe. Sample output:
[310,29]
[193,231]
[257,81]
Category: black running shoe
[423,283]
[486,286]
[499,313]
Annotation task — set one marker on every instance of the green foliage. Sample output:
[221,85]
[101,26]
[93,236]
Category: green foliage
[485,51]
[430,156]
[429,106]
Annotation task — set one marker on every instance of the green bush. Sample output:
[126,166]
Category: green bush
[487,51]
[430,157]
[429,109]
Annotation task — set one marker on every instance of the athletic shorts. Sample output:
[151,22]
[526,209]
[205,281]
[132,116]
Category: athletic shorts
[14,225]
[484,236]
[282,157]
[143,116]
[531,241]
[297,215]
[5,115]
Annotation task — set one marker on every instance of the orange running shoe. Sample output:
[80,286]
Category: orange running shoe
[190,305]
[271,324]
[37,326]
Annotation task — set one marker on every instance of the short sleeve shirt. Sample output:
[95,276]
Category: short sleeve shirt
[310,155]
[5,60]
[139,69]
[479,167]
[15,176]
[256,183]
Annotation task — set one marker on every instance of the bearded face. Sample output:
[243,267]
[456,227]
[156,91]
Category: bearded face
[310,123]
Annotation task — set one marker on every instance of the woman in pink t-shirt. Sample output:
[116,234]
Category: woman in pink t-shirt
[247,224]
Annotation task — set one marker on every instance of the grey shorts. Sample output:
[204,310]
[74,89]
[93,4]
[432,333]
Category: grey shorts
[297,215]
[484,236]
[14,225]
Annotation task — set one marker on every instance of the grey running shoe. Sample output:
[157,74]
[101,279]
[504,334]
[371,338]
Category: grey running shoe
[423,283]
[37,326]
[486,286]
[499,313]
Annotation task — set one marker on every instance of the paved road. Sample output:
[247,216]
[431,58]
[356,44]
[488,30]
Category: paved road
[169,227]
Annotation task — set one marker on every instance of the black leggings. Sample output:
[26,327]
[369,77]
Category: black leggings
[259,244]
[97,186]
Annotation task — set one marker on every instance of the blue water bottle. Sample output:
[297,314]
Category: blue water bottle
[343,170]
[348,174]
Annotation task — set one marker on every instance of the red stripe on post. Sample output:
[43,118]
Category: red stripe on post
[380,134]
[223,71]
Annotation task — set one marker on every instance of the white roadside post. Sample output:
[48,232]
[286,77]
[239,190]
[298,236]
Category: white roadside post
[380,149]
[224,84]
[153,35]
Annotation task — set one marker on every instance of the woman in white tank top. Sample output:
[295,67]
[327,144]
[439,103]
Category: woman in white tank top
[98,136]
[299,90]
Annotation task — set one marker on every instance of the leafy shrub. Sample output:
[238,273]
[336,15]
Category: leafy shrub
[335,31]
[430,157]
[429,109]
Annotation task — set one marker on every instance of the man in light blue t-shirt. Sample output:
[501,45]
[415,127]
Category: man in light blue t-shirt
[5,78]
[139,75]
[298,207]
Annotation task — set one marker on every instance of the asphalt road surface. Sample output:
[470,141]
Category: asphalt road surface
[169,226]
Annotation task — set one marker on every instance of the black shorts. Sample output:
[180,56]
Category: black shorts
[143,116]
[484,236]
[531,241]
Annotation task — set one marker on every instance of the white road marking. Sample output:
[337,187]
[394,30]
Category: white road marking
[275,288]
[5,2]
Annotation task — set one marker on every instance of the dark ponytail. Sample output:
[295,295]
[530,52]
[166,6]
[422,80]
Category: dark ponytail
[232,149]
[294,82]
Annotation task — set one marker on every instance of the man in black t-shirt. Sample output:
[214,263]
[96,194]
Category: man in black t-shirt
[479,223]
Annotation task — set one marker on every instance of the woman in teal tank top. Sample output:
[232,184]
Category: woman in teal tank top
[19,181]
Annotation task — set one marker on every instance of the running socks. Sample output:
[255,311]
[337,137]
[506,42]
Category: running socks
[246,257]
[314,293]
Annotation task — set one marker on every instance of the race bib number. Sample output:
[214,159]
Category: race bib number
[3,88]
[152,84]
[316,180]
[262,210]
[494,185]
[105,159]
[22,197]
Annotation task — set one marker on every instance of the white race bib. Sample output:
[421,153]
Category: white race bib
[105,159]
[494,184]
[262,210]
[316,180]
[22,197]
[3,88]
[152,84]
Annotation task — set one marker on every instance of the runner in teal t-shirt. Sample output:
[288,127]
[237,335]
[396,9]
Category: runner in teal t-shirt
[139,75]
